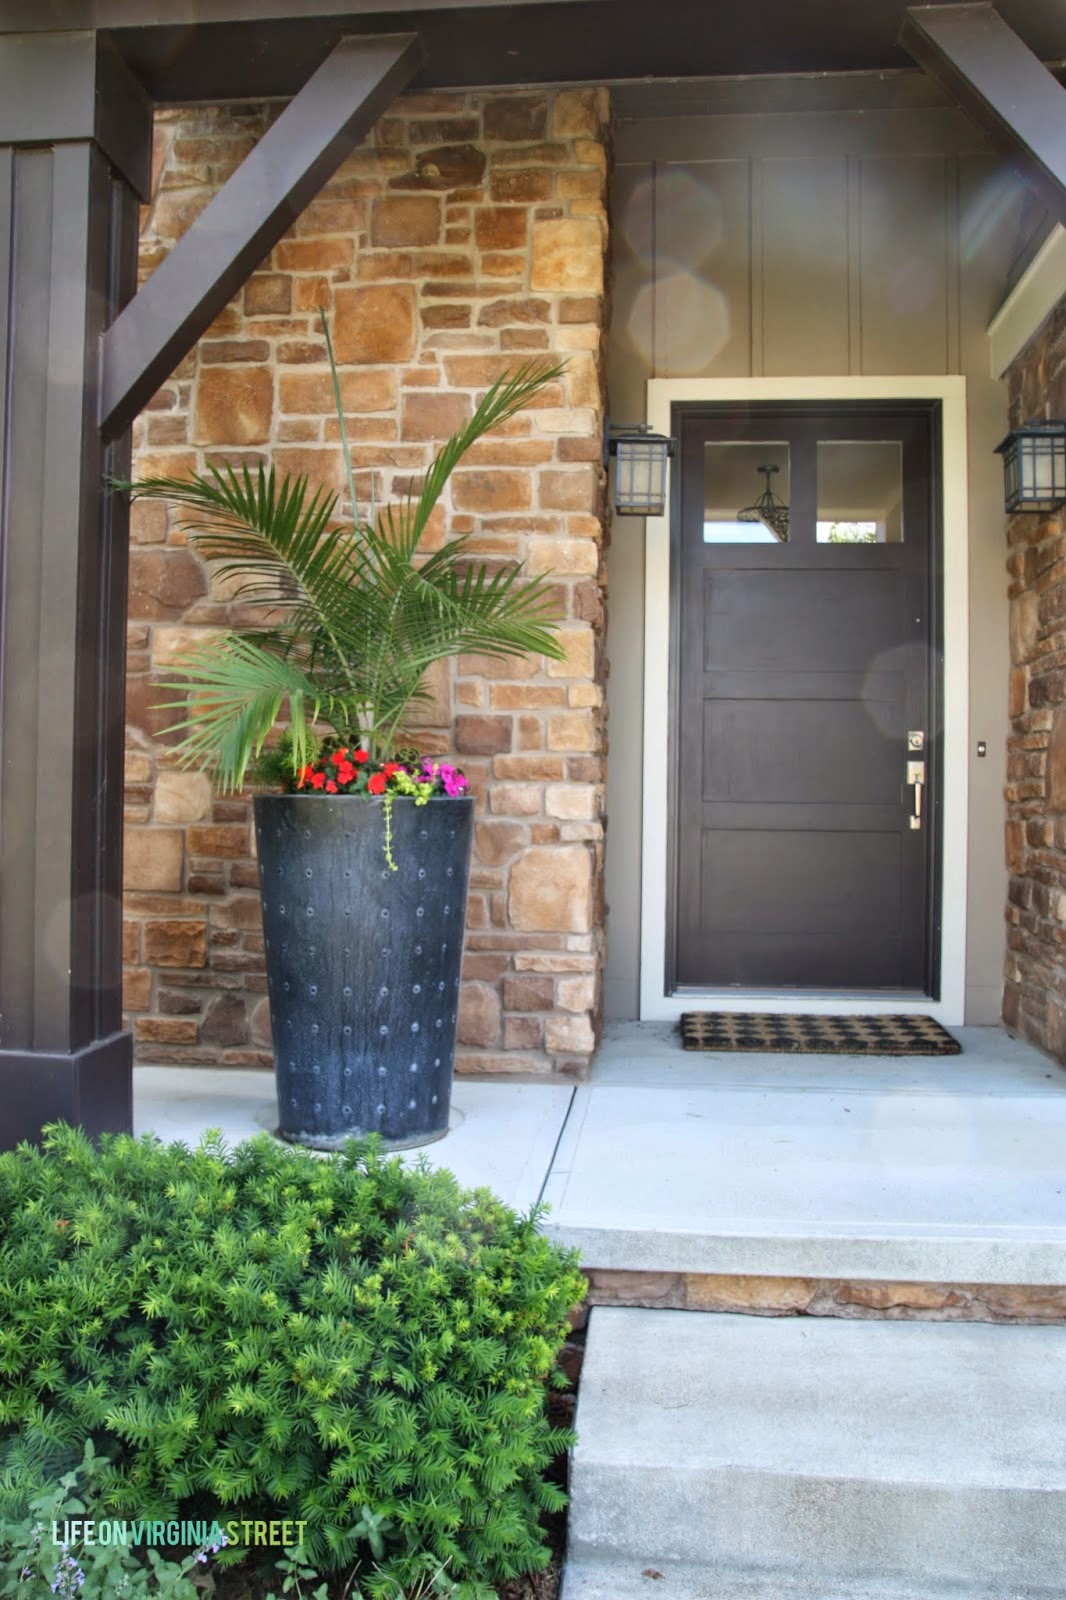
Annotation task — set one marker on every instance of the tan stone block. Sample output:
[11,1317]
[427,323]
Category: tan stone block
[576,994]
[529,768]
[583,185]
[551,890]
[505,313]
[434,416]
[259,1029]
[241,911]
[891,1296]
[182,797]
[479,1015]
[218,839]
[521,184]
[494,264]
[528,993]
[574,115]
[516,119]
[563,1035]
[303,393]
[171,644]
[564,557]
[131,941]
[413,219]
[516,696]
[314,255]
[584,694]
[488,490]
[149,522]
[556,421]
[170,942]
[569,488]
[1024,625]
[483,735]
[556,961]
[137,767]
[501,227]
[765,1296]
[234,406]
[469,1063]
[523,1033]
[572,730]
[567,256]
[268,294]
[657,1290]
[163,583]
[515,799]
[153,858]
[137,989]
[575,802]
[435,712]
[590,153]
[165,1030]
[321,466]
[374,323]
[497,667]
[498,842]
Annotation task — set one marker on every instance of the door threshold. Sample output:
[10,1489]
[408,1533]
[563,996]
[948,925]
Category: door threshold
[827,1002]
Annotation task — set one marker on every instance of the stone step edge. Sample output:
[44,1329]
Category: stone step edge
[603,1578]
[759,1296]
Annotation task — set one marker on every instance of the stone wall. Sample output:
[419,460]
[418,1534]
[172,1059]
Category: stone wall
[1035,990]
[466,235]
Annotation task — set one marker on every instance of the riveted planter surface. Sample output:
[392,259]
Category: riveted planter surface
[363,963]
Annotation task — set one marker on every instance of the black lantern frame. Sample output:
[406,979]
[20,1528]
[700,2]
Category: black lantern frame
[640,468]
[1034,467]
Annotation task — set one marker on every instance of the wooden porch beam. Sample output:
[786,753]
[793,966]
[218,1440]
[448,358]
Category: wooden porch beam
[252,211]
[993,76]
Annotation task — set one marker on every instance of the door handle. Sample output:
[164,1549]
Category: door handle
[916,781]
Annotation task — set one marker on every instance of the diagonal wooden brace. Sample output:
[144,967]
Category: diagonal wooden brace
[253,210]
[993,76]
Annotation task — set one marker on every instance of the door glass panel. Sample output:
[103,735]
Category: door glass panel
[745,495]
[860,491]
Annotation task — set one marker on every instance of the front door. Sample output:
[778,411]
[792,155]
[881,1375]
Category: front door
[805,693]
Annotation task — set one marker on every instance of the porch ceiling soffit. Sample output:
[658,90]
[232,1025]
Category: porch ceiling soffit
[993,76]
[334,110]
[184,50]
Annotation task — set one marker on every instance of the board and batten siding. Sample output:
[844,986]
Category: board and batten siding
[814,243]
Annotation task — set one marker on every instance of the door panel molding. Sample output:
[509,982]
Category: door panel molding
[660,651]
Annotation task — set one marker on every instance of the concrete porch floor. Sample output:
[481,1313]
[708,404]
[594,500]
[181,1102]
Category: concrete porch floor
[920,1168]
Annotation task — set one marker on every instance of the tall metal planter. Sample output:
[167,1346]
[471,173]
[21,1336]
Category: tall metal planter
[363,962]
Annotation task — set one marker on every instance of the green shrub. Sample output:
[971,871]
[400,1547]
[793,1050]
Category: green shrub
[352,1343]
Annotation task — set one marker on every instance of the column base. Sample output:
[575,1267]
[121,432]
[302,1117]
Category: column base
[90,1088]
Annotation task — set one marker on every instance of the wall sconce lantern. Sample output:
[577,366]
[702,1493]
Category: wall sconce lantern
[640,458]
[1034,467]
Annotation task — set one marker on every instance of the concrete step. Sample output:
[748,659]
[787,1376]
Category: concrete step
[630,1580]
[843,1458]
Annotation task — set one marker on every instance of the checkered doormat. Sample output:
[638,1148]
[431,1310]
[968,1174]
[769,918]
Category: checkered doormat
[799,1035]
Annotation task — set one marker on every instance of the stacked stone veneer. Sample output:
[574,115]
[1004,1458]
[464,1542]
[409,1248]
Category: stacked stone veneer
[466,235]
[1035,988]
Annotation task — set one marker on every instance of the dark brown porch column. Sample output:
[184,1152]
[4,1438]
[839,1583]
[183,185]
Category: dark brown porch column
[75,147]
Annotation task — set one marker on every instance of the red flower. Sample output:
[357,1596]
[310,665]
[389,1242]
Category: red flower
[390,767]
[360,756]
[304,776]
[345,772]
[317,780]
[339,755]
[377,783]
[331,787]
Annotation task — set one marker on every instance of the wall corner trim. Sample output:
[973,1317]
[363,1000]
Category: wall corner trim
[1037,292]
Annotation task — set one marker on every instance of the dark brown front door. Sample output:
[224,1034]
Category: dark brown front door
[804,688]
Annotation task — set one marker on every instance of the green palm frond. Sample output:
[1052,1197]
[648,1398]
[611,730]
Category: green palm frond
[358,614]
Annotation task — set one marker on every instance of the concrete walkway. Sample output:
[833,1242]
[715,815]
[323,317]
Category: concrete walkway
[937,1169]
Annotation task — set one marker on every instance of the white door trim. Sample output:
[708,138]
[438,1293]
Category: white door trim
[655,1003]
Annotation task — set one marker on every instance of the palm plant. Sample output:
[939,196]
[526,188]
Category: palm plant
[354,614]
